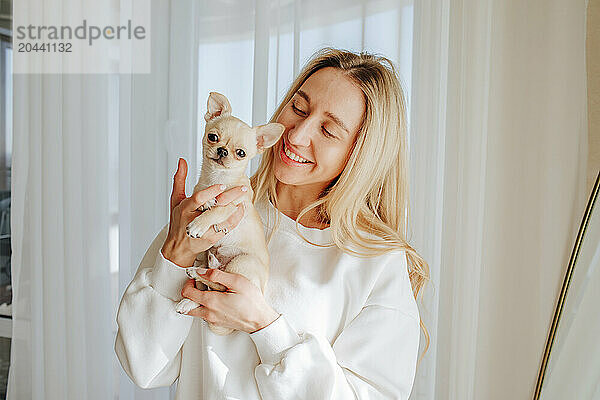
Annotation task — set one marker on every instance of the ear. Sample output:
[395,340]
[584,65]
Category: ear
[217,104]
[267,135]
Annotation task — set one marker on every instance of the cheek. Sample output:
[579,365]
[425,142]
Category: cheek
[333,159]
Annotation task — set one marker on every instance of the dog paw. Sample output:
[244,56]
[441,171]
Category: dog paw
[210,203]
[185,306]
[196,228]
[195,272]
[213,261]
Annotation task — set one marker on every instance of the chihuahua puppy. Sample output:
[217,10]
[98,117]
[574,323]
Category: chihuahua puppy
[228,145]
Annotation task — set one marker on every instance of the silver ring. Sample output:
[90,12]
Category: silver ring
[217,228]
[204,207]
[225,230]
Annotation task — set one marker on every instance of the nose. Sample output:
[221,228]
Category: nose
[222,152]
[300,134]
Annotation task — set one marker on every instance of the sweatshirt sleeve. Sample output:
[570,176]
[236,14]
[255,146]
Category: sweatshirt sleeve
[374,357]
[150,332]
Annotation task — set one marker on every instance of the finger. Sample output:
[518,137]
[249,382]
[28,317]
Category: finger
[216,215]
[189,291]
[189,284]
[231,194]
[204,297]
[178,193]
[229,224]
[228,279]
[235,218]
[202,196]
[198,312]
[204,313]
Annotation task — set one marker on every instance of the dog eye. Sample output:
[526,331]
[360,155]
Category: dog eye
[240,153]
[213,138]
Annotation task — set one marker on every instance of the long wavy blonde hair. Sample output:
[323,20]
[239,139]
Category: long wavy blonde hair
[367,196]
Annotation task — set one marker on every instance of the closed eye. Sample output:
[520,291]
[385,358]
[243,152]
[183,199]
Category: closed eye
[327,133]
[302,113]
[297,110]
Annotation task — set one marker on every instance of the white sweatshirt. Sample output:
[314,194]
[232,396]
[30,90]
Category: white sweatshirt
[348,327]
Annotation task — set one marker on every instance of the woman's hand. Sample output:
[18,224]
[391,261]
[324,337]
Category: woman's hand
[179,247]
[242,306]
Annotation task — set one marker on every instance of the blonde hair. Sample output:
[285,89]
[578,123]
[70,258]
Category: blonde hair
[367,197]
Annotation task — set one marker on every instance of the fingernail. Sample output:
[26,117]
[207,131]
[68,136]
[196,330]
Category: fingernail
[201,271]
[222,187]
[244,188]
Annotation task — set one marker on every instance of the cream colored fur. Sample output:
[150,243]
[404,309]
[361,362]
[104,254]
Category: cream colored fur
[243,250]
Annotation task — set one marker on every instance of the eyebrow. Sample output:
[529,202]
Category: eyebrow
[333,117]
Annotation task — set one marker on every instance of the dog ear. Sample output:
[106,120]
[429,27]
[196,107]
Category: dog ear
[217,104]
[267,135]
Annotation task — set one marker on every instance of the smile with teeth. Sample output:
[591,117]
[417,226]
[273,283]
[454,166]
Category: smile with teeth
[293,156]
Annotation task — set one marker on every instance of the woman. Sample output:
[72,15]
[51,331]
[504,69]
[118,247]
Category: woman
[339,318]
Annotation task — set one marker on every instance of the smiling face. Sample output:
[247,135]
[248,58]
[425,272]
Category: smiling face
[321,122]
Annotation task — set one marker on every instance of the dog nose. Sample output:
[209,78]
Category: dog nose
[222,152]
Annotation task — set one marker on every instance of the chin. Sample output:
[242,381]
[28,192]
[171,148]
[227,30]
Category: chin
[286,177]
[291,175]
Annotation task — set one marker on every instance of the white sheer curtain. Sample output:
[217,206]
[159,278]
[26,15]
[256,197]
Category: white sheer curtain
[496,92]
[88,185]
[499,147]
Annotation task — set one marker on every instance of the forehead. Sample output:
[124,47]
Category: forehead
[329,91]
[228,123]
[232,127]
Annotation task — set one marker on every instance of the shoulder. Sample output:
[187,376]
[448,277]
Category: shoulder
[387,272]
[392,287]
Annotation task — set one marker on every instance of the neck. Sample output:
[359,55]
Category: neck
[292,199]
[210,175]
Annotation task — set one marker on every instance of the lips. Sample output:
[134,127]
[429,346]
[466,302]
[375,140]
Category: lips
[288,161]
[283,149]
